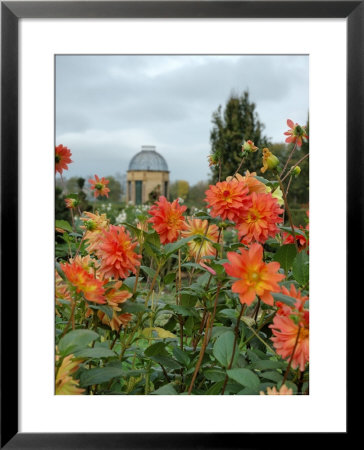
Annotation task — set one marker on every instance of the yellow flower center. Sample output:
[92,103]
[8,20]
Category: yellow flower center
[255,276]
[253,216]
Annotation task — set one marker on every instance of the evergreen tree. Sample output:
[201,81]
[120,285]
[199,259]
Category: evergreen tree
[238,122]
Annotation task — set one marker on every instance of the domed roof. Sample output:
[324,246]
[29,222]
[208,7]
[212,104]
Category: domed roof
[148,159]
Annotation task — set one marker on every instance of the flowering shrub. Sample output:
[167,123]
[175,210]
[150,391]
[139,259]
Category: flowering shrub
[158,302]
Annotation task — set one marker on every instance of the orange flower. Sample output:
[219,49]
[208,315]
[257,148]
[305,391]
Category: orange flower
[199,248]
[114,297]
[255,276]
[260,221]
[302,240]
[86,262]
[251,182]
[84,282]
[291,326]
[167,219]
[296,133]
[65,384]
[228,199]
[99,186]
[94,224]
[284,390]
[63,157]
[116,251]
[284,309]
[61,291]
[71,202]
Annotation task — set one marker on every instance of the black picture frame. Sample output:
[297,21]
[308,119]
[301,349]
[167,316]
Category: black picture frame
[11,12]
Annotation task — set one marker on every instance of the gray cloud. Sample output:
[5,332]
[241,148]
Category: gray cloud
[108,106]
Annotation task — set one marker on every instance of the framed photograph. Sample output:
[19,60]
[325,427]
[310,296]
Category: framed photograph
[181,263]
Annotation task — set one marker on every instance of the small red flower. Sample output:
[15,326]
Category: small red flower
[99,186]
[63,158]
[296,133]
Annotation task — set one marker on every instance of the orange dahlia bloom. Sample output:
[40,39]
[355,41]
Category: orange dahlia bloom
[199,248]
[65,384]
[94,224]
[114,298]
[84,282]
[116,252]
[284,390]
[63,158]
[228,199]
[289,323]
[255,276]
[99,186]
[296,133]
[167,220]
[251,182]
[116,320]
[259,222]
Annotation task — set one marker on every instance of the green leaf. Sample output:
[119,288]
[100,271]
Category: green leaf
[230,313]
[132,307]
[181,356]
[76,339]
[64,225]
[60,271]
[301,268]
[157,333]
[273,376]
[268,364]
[214,375]
[217,331]
[278,297]
[169,278]
[130,281]
[215,389]
[148,270]
[183,310]
[105,309]
[156,349]
[244,377]
[285,256]
[289,230]
[169,249]
[168,389]
[165,361]
[97,352]
[100,375]
[223,349]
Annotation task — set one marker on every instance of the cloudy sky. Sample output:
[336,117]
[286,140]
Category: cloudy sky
[107,107]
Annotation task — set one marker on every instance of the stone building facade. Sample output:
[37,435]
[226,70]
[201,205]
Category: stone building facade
[147,176]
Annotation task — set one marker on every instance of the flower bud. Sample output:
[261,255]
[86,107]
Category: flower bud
[270,161]
[296,171]
[213,160]
[248,146]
